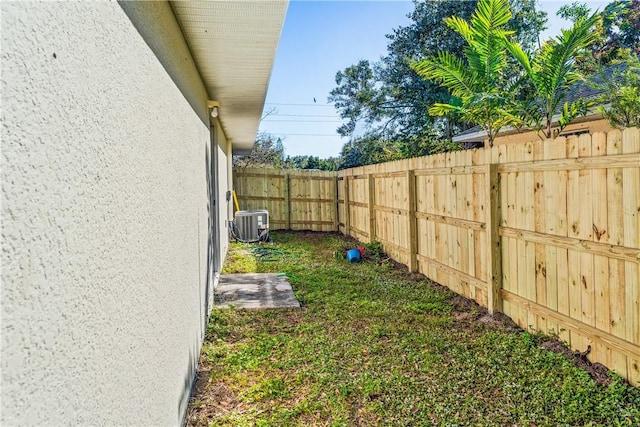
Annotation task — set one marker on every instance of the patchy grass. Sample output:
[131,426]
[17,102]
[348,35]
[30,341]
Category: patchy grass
[374,345]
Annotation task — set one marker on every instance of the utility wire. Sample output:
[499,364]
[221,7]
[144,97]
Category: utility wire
[303,134]
[300,115]
[299,105]
[305,121]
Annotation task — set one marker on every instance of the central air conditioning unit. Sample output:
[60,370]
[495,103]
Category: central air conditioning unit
[252,226]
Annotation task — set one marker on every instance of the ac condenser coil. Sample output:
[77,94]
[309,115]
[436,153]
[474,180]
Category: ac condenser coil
[252,226]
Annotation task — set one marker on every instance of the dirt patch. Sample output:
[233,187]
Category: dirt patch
[598,371]
[214,399]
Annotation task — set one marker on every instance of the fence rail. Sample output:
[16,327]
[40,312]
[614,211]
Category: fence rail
[295,200]
[547,232]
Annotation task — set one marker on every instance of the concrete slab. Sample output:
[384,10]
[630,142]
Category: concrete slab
[254,291]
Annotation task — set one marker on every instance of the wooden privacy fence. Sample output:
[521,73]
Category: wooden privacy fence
[296,200]
[547,232]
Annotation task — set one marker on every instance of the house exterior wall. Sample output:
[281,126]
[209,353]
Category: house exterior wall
[104,222]
[230,205]
[224,185]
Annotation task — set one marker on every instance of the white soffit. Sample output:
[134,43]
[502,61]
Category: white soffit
[234,43]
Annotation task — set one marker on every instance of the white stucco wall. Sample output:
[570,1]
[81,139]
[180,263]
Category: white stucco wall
[104,222]
[230,205]
[224,185]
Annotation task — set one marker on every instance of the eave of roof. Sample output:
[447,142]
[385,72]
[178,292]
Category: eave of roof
[233,44]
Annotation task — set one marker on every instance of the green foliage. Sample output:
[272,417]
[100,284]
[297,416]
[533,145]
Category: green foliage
[407,96]
[374,250]
[357,94]
[364,151]
[621,30]
[527,23]
[617,32]
[371,149]
[478,79]
[620,101]
[312,162]
[551,73]
[574,12]
[267,151]
[387,99]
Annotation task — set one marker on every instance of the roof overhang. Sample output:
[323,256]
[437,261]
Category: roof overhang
[233,44]
[219,50]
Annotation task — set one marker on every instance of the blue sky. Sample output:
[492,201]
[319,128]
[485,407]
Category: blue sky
[320,38]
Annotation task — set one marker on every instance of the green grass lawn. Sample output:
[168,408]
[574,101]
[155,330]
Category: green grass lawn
[374,345]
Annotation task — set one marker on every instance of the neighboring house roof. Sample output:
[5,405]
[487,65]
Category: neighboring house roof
[581,89]
[221,51]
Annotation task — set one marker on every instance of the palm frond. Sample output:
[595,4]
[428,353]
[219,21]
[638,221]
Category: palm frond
[520,55]
[460,26]
[487,24]
[448,70]
[444,109]
[475,61]
[491,14]
[556,60]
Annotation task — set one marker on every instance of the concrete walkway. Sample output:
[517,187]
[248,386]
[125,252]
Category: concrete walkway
[254,291]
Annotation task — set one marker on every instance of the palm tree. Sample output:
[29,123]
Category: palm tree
[478,82]
[551,72]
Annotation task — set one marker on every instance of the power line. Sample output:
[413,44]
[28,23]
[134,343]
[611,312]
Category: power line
[302,134]
[299,105]
[299,115]
[304,121]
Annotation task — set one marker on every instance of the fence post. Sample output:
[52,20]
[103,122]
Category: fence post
[347,219]
[372,211]
[411,218]
[336,204]
[287,202]
[494,254]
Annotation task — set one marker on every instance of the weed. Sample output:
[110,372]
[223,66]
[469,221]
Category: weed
[374,250]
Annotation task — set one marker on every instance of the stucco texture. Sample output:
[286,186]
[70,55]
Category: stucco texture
[104,222]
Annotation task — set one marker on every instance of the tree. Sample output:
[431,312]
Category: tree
[551,73]
[390,99]
[390,102]
[312,162]
[268,151]
[350,156]
[621,93]
[528,23]
[329,164]
[617,33]
[365,150]
[408,97]
[574,12]
[621,24]
[478,80]
[356,96]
